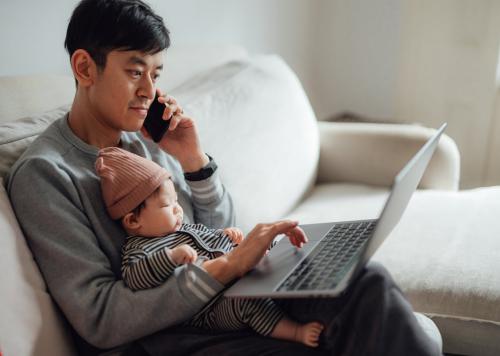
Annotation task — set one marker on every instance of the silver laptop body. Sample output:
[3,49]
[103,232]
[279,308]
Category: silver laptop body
[286,266]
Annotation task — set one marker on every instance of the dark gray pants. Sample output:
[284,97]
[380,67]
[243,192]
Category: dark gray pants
[371,318]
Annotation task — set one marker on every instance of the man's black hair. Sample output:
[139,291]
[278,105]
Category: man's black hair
[100,26]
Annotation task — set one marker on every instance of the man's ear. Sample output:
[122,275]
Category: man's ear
[84,67]
[131,222]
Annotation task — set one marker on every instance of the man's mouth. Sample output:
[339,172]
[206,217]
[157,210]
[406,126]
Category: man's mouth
[141,110]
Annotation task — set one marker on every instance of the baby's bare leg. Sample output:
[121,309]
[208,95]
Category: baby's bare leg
[307,334]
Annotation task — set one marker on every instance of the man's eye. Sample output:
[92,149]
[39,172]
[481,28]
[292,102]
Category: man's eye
[155,77]
[135,73]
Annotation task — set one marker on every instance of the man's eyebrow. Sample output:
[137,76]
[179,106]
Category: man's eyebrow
[142,62]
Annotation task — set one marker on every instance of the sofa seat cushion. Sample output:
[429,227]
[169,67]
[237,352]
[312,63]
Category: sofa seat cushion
[340,202]
[443,254]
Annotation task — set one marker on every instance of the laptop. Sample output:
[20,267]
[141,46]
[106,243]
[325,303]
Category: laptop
[336,252]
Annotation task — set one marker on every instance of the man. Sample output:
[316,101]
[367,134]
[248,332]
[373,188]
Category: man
[116,53]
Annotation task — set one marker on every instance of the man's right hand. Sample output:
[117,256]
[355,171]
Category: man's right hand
[250,251]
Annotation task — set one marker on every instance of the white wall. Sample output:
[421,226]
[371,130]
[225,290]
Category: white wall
[401,60]
[32,36]
[356,57]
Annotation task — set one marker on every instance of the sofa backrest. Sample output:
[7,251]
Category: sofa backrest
[255,118]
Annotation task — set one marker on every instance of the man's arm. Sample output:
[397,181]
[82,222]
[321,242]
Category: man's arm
[78,273]
[212,203]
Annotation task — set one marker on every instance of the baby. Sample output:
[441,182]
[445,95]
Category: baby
[142,196]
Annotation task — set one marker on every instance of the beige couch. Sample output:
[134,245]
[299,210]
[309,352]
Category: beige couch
[277,161]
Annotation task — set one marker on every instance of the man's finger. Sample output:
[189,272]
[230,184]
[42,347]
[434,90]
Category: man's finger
[174,121]
[170,99]
[159,93]
[282,227]
[300,234]
[169,111]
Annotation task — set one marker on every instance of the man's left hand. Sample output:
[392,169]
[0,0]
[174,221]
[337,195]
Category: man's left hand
[181,140]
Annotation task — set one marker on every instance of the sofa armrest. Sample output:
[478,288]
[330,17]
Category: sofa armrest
[373,154]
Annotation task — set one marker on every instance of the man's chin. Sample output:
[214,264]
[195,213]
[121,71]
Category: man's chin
[133,125]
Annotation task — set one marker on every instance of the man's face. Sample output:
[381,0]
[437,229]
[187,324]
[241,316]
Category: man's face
[123,91]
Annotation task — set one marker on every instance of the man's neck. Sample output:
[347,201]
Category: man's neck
[88,127]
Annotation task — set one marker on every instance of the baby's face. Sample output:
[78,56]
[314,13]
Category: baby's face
[162,213]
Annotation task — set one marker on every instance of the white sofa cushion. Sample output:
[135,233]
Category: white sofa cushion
[182,62]
[255,118]
[15,136]
[22,96]
[444,254]
[31,323]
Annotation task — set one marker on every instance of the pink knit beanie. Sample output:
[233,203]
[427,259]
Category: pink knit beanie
[126,179]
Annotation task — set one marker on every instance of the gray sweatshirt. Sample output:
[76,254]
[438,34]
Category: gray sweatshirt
[56,196]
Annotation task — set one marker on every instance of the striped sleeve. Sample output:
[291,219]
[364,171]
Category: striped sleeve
[213,239]
[146,269]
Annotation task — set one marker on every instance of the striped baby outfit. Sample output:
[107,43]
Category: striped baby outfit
[146,264]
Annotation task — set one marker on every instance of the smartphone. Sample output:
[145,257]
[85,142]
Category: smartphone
[154,124]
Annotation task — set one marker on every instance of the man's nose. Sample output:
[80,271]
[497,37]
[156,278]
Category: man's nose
[147,88]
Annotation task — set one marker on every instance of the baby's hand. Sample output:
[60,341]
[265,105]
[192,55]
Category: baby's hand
[234,234]
[182,254]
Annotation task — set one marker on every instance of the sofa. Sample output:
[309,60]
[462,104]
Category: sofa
[279,161]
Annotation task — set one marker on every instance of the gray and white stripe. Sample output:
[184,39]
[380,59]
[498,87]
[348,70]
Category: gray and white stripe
[261,315]
[146,264]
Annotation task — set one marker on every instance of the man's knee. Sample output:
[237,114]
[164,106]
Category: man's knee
[374,267]
[377,279]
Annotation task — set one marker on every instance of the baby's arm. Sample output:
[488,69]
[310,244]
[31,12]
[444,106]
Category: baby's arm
[143,270]
[182,254]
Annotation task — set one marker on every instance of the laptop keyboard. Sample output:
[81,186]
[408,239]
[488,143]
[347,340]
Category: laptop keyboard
[320,269]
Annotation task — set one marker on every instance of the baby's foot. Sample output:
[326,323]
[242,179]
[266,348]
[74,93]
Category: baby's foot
[309,333]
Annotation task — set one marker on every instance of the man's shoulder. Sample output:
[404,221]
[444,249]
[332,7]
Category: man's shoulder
[47,151]
[49,142]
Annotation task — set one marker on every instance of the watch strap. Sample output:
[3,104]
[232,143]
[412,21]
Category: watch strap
[205,172]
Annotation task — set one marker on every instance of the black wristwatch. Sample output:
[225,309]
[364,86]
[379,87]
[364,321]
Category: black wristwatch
[204,172]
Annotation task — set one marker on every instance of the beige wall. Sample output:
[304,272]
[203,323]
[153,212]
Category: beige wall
[447,72]
[424,61]
[493,158]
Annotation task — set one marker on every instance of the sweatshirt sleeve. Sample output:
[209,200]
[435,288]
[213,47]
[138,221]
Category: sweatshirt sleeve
[78,273]
[212,203]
